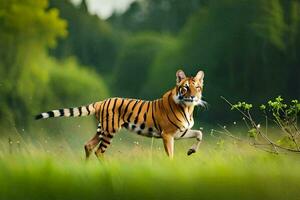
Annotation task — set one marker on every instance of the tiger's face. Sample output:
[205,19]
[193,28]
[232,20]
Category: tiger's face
[188,90]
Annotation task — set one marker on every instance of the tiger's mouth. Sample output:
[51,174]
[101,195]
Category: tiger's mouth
[190,100]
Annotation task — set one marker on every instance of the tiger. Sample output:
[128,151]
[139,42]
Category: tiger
[169,118]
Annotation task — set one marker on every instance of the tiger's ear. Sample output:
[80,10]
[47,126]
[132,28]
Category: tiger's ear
[179,76]
[200,75]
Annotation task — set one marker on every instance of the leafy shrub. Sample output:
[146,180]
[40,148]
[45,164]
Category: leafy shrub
[284,115]
[74,84]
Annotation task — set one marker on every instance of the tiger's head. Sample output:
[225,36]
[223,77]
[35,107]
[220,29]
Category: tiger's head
[188,90]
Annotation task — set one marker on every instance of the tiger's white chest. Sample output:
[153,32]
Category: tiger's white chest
[188,124]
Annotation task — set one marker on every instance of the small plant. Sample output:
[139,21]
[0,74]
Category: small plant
[284,115]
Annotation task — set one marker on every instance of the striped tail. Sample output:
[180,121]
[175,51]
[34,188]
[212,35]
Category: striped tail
[69,112]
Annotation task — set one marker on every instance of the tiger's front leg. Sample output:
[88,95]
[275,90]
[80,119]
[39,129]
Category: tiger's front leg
[193,134]
[168,141]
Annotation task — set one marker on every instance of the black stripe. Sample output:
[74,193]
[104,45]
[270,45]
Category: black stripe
[103,145]
[102,113]
[99,127]
[153,105]
[119,113]
[87,108]
[132,109]
[125,125]
[50,113]
[39,116]
[80,111]
[145,114]
[104,140]
[126,109]
[163,108]
[61,112]
[158,108]
[99,111]
[96,113]
[158,123]
[184,133]
[110,135]
[137,101]
[107,115]
[172,108]
[184,115]
[71,111]
[139,111]
[113,115]
[99,133]
[129,116]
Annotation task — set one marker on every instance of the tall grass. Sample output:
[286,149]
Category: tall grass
[56,170]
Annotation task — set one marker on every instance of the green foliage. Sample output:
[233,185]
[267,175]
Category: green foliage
[30,80]
[284,115]
[22,20]
[91,39]
[73,84]
[278,107]
[242,105]
[253,133]
[134,63]
[269,23]
[248,50]
[162,72]
[155,15]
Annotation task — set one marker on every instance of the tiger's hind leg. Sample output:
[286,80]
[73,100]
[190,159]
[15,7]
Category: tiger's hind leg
[93,142]
[104,144]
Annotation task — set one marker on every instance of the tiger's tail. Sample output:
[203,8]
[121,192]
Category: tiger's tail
[90,109]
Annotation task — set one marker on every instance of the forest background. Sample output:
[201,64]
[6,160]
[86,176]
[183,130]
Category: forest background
[57,54]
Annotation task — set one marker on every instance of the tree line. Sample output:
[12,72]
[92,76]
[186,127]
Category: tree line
[58,54]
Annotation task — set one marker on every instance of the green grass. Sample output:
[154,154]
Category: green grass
[56,169]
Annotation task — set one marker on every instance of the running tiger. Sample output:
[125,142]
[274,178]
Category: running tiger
[169,118]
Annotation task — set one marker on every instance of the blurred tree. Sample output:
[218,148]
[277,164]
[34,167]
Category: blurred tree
[248,50]
[134,63]
[90,39]
[25,29]
[161,76]
[292,40]
[156,15]
[31,81]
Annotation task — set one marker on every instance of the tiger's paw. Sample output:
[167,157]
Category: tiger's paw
[191,151]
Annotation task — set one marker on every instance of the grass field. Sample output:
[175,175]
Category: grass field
[134,169]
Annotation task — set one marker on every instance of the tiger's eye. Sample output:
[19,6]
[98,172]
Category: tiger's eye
[183,90]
